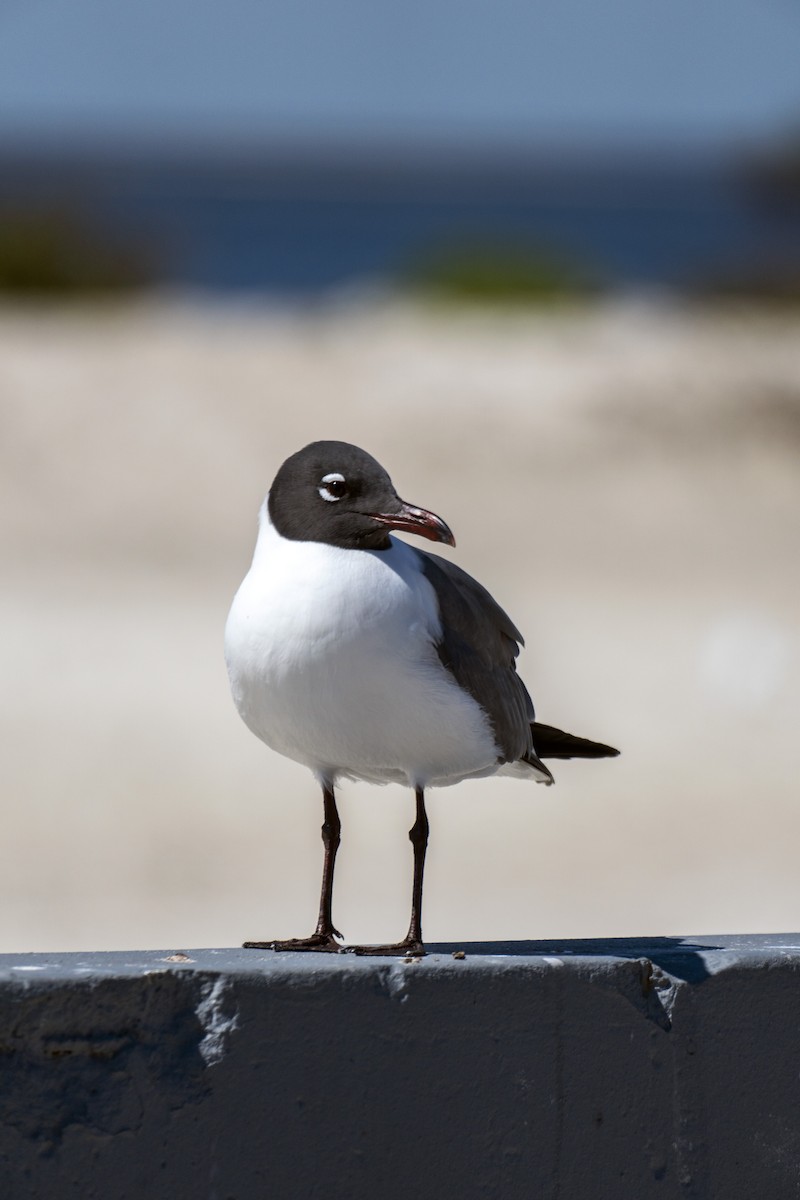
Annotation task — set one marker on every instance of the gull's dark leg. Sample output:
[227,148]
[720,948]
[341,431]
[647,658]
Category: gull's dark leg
[412,942]
[418,835]
[323,937]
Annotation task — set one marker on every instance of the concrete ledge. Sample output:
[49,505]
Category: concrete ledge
[654,1068]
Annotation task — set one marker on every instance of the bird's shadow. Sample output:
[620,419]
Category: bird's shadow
[680,957]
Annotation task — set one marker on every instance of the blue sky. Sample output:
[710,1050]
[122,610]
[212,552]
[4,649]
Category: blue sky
[561,71]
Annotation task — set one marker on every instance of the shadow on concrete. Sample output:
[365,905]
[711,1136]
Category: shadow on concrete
[681,957]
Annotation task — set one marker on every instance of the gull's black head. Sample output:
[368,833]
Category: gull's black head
[336,493]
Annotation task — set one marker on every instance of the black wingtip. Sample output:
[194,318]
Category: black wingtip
[550,742]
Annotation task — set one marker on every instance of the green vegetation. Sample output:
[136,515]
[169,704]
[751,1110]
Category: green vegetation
[490,272]
[53,253]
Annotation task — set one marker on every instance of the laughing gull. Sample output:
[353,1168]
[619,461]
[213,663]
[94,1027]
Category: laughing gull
[364,658]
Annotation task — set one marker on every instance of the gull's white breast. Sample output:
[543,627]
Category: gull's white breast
[332,660]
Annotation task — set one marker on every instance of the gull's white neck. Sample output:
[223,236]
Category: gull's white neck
[333,662]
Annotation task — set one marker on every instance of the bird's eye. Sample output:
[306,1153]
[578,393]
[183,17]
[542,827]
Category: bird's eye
[333,487]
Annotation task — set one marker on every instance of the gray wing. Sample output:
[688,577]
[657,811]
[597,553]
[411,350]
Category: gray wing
[478,645]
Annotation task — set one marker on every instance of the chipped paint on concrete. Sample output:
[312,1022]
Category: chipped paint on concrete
[216,1024]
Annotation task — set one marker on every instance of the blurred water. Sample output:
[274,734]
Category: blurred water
[303,227]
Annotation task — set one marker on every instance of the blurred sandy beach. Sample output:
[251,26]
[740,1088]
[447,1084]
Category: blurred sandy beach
[624,478]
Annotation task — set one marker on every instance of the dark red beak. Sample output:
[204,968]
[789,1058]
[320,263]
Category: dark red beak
[417,520]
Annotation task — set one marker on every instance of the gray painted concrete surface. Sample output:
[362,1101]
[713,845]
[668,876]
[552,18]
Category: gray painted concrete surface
[666,1067]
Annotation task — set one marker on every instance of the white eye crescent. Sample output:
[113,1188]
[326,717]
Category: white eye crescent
[333,487]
